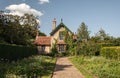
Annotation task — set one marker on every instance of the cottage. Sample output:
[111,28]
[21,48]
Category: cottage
[44,43]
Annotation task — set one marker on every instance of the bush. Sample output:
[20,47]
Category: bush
[111,52]
[15,52]
[54,50]
[106,44]
[88,49]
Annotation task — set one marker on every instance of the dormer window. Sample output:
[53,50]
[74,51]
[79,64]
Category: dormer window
[61,35]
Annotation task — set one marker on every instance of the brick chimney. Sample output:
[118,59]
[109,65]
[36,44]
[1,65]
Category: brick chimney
[54,24]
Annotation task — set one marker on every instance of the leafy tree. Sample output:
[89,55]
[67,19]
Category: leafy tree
[30,24]
[96,39]
[116,41]
[103,38]
[71,45]
[42,34]
[18,30]
[102,34]
[82,32]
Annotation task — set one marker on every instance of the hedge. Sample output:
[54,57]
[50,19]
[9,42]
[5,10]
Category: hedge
[111,52]
[15,52]
[106,44]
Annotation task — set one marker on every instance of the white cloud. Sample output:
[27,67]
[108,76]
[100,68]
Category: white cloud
[43,1]
[22,9]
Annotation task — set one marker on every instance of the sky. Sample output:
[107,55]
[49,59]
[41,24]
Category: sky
[96,14]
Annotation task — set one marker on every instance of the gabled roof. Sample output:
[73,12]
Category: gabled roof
[43,40]
[58,27]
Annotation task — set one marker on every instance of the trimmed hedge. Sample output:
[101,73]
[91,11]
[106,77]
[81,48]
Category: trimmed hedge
[111,52]
[106,44]
[15,52]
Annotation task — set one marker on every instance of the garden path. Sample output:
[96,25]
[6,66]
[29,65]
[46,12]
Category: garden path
[65,69]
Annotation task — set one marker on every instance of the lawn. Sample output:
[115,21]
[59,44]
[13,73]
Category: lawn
[97,67]
[35,66]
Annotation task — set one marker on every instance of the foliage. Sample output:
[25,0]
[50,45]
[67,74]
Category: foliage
[102,37]
[116,41]
[42,34]
[14,52]
[99,67]
[83,32]
[54,50]
[18,30]
[70,43]
[110,52]
[102,34]
[62,54]
[88,49]
[32,67]
[106,44]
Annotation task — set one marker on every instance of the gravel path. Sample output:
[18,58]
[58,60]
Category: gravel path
[65,69]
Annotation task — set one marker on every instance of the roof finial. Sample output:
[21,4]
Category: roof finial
[61,20]
[54,19]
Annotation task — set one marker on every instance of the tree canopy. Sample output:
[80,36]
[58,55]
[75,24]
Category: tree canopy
[82,32]
[18,30]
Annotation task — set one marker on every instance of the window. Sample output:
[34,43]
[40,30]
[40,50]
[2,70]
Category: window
[43,48]
[61,35]
[61,48]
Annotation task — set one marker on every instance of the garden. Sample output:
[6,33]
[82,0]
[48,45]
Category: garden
[32,67]
[106,65]
[18,53]
[97,67]
[96,56]
[17,61]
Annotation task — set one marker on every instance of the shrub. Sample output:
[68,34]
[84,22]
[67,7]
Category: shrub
[15,52]
[62,54]
[106,44]
[111,52]
[54,50]
[88,49]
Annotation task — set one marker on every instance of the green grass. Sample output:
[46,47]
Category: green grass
[78,64]
[40,66]
[97,67]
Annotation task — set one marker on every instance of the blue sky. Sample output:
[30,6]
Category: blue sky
[96,14]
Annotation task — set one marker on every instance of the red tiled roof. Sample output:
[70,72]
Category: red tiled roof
[43,40]
[61,42]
